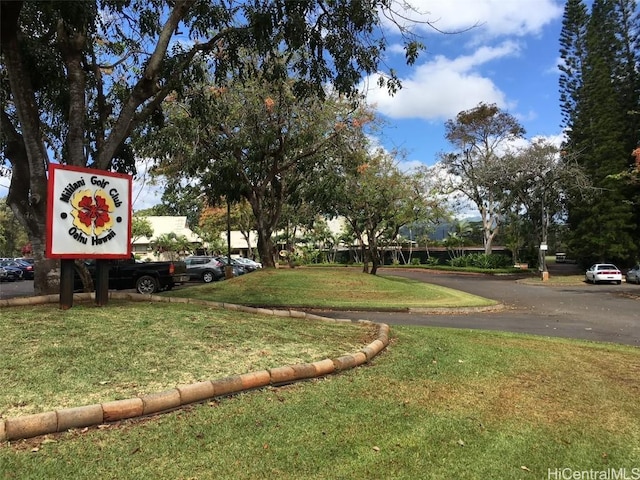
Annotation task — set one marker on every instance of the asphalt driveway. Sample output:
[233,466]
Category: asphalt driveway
[603,313]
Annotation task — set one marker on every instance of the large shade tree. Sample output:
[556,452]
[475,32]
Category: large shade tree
[481,137]
[537,180]
[377,199]
[77,78]
[253,139]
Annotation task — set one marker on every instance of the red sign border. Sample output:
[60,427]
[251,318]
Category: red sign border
[50,201]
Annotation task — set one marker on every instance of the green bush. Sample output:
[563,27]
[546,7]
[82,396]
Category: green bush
[432,261]
[415,261]
[481,260]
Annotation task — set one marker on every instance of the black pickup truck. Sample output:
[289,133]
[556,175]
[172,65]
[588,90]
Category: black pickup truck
[145,277]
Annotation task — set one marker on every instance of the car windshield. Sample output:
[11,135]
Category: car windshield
[607,267]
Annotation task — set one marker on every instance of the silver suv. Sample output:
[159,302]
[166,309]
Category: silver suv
[633,274]
[207,269]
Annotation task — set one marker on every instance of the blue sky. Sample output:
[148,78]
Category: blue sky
[509,58]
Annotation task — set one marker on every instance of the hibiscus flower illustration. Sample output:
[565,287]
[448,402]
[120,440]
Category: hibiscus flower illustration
[91,211]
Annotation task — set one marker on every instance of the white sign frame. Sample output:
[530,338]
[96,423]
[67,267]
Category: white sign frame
[88,213]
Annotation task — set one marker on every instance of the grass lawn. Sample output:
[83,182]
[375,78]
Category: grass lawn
[52,358]
[437,404]
[330,287]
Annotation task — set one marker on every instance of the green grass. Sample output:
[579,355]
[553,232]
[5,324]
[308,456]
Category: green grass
[331,287]
[449,268]
[436,404]
[52,358]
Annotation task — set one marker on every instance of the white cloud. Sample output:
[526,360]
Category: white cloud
[410,166]
[491,18]
[439,89]
[556,140]
[555,68]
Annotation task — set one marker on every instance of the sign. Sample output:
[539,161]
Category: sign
[88,213]
[543,247]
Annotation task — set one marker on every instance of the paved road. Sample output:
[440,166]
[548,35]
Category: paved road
[605,313]
[23,288]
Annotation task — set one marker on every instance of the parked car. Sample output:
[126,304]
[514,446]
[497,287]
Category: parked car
[603,272]
[4,276]
[237,268]
[248,264]
[26,267]
[145,277]
[30,261]
[633,274]
[562,257]
[207,269]
[13,273]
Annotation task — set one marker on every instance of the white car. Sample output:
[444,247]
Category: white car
[603,272]
[633,275]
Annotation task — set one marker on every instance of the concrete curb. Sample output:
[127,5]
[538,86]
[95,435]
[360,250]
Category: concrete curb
[86,416]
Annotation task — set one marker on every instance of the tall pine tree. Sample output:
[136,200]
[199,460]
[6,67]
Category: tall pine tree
[628,71]
[596,100]
[572,52]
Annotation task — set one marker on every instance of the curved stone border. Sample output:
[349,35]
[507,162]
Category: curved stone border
[68,418]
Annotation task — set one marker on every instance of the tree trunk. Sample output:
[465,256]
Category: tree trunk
[265,246]
[85,276]
[489,230]
[488,241]
[27,154]
[375,260]
[374,253]
[365,257]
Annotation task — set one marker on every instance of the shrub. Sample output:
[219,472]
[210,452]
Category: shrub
[432,261]
[481,260]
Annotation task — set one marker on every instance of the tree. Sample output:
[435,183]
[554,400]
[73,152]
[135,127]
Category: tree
[481,136]
[377,199]
[213,223]
[171,245]
[296,220]
[13,238]
[253,139]
[80,77]
[537,180]
[321,241]
[181,199]
[140,227]
[603,133]
[572,53]
[457,238]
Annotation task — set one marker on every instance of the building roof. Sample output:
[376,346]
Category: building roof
[163,225]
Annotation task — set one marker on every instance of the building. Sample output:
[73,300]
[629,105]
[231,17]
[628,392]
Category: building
[142,247]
